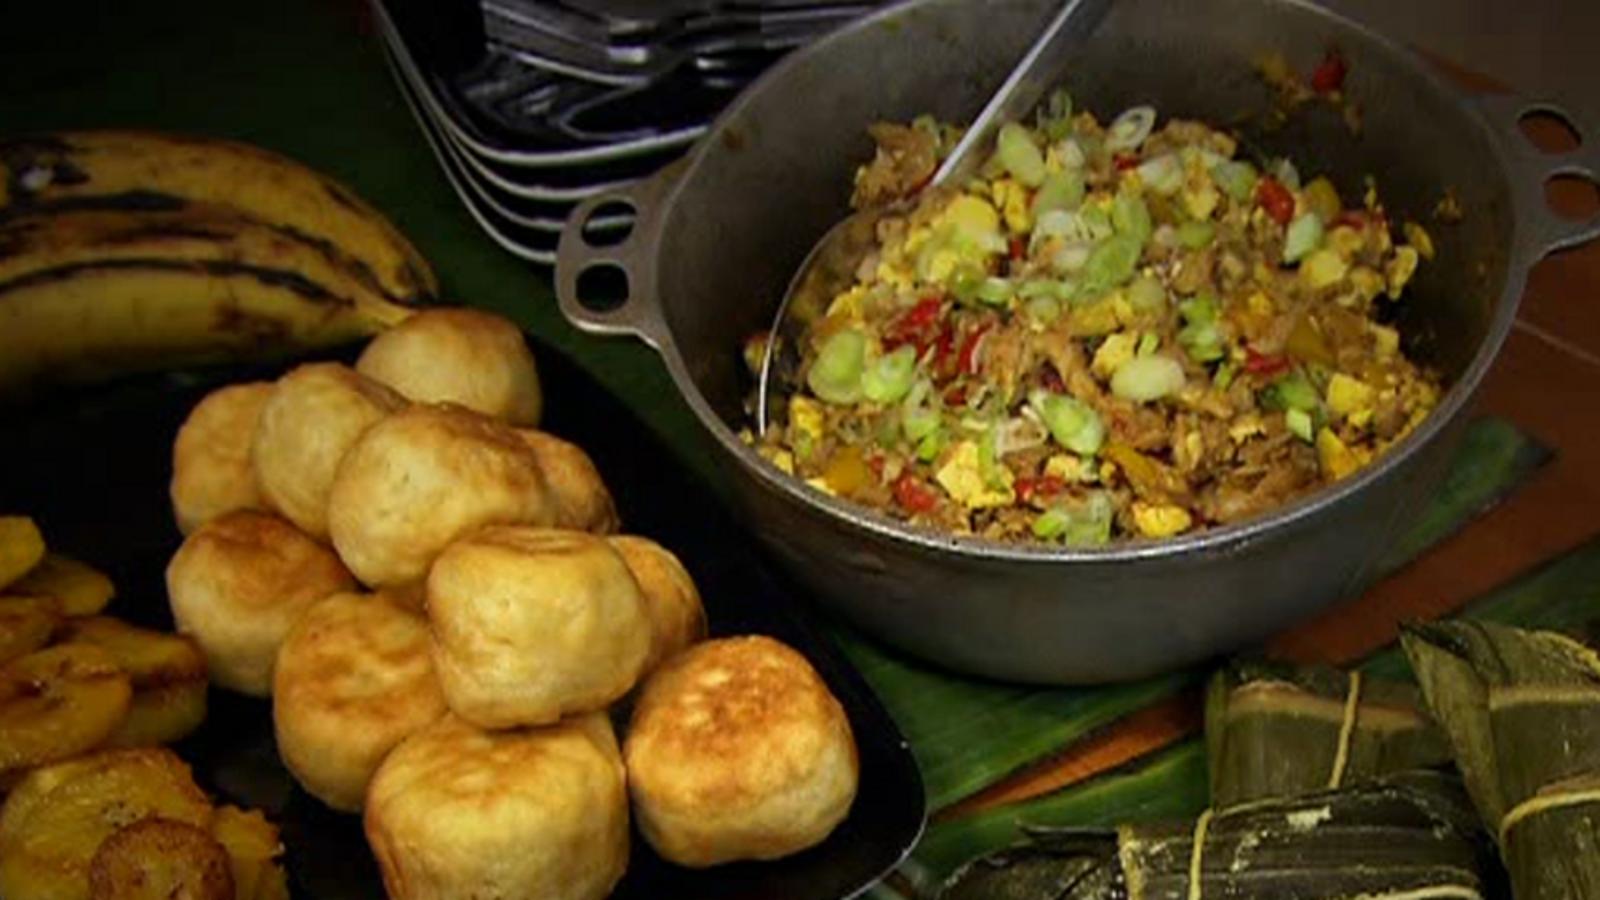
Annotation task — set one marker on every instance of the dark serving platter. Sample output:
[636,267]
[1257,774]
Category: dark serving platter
[91,466]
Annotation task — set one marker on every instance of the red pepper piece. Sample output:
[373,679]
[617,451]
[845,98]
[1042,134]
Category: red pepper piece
[913,495]
[1122,162]
[956,395]
[915,325]
[1353,218]
[1329,74]
[1264,363]
[943,353]
[1275,199]
[924,313]
[875,463]
[967,359]
[1017,249]
[1042,486]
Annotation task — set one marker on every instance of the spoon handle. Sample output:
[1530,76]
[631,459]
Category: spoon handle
[1025,87]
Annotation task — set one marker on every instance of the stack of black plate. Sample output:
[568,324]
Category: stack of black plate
[532,105]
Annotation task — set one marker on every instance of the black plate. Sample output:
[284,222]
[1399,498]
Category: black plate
[91,466]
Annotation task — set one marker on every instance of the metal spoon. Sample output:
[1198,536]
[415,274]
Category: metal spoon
[830,266]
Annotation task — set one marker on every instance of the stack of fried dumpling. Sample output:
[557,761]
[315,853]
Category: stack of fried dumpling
[434,594]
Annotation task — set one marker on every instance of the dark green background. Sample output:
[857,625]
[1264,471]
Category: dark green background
[306,78]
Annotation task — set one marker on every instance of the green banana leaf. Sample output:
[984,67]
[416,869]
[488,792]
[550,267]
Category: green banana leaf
[1409,835]
[968,734]
[1522,709]
[1561,594]
[1276,730]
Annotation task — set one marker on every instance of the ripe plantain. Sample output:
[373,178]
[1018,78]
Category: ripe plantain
[254,849]
[21,547]
[167,671]
[199,233]
[143,169]
[81,589]
[58,702]
[56,819]
[26,624]
[160,859]
[93,321]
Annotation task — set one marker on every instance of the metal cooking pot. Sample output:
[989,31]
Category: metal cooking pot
[718,237]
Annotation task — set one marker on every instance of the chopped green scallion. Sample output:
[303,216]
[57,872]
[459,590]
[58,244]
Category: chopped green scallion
[1146,378]
[1073,423]
[835,375]
[1196,235]
[1020,155]
[1304,235]
[1060,191]
[890,376]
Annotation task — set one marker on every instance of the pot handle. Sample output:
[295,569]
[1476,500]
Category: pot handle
[1545,231]
[637,311]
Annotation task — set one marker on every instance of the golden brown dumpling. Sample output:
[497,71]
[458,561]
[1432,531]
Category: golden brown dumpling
[531,624]
[237,585]
[423,477]
[466,356]
[737,750]
[354,678]
[459,812]
[315,414]
[677,618]
[211,469]
[582,501]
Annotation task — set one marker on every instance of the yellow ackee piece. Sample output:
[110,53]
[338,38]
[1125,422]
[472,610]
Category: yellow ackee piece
[1114,351]
[848,304]
[782,459]
[1246,427]
[1418,237]
[1323,267]
[894,275]
[1345,240]
[974,215]
[962,478]
[1337,459]
[1385,340]
[21,547]
[1346,395]
[821,484]
[1065,467]
[1200,198]
[1012,199]
[805,416]
[1095,319]
[1160,521]
[1368,283]
[1399,269]
[1260,304]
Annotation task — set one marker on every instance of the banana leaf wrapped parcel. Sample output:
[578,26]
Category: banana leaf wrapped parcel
[1280,731]
[1522,711]
[1413,836]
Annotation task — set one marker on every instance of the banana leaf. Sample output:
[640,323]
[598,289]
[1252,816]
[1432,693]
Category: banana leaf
[968,734]
[1279,731]
[1522,709]
[1561,593]
[1416,835]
